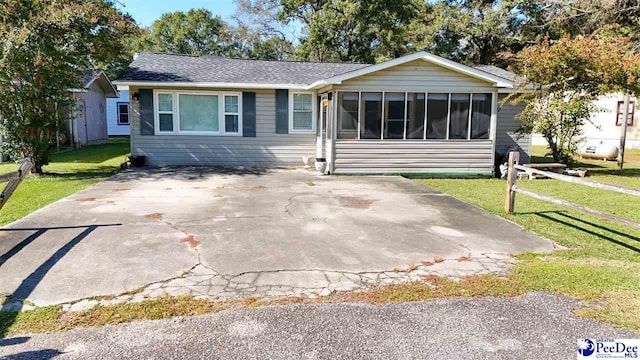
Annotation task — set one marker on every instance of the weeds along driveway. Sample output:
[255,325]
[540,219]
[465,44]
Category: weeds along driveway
[229,232]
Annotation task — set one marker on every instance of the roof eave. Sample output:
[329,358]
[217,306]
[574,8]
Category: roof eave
[469,71]
[106,84]
[178,84]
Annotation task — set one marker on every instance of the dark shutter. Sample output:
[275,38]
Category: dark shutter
[249,114]
[146,112]
[282,111]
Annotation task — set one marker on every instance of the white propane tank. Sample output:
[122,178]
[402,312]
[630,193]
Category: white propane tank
[600,151]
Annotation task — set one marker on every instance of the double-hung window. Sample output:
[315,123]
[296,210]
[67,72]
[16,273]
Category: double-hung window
[231,114]
[302,110]
[198,113]
[123,113]
[165,113]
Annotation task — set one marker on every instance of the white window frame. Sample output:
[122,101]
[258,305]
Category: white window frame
[175,97]
[314,112]
[157,112]
[223,122]
[119,114]
[426,94]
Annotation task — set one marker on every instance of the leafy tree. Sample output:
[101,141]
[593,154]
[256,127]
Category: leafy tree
[559,120]
[45,47]
[244,42]
[196,32]
[476,31]
[562,78]
[582,17]
[261,17]
[199,32]
[348,30]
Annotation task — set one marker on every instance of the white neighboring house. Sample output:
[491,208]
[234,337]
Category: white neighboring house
[606,125]
[118,113]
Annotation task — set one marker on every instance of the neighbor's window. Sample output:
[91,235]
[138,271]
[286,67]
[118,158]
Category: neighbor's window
[302,112]
[370,115]
[165,112]
[437,113]
[459,116]
[348,115]
[394,115]
[123,113]
[415,115]
[620,111]
[199,113]
[480,116]
[231,113]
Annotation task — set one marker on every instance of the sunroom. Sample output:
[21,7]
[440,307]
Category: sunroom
[413,117]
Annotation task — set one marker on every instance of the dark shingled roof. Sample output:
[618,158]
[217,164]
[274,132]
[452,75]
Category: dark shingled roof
[494,70]
[505,74]
[215,69]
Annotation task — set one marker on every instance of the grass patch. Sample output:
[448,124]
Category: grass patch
[435,288]
[619,308]
[52,318]
[602,262]
[68,173]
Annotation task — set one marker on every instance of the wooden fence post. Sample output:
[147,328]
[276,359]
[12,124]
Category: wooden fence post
[14,179]
[510,198]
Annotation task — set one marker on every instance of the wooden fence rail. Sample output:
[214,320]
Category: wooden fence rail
[14,179]
[513,188]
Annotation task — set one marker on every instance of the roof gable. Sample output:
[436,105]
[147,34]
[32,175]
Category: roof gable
[422,55]
[101,79]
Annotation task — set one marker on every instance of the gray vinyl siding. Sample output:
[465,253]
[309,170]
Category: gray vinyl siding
[393,156]
[266,149]
[506,137]
[95,116]
[417,75]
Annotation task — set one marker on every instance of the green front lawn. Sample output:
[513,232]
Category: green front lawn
[69,172]
[602,260]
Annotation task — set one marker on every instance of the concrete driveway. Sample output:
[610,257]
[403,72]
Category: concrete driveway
[229,232]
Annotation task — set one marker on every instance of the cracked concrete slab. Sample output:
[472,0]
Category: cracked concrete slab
[246,226]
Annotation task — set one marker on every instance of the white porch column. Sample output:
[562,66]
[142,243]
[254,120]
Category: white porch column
[334,126]
[494,127]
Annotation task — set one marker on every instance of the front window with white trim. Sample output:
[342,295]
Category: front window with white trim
[198,113]
[302,112]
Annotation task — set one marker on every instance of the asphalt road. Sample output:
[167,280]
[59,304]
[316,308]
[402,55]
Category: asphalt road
[534,326]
